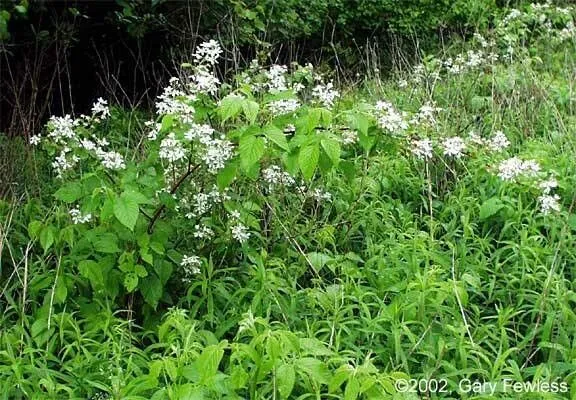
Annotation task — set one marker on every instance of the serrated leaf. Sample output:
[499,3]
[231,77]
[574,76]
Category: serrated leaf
[318,260]
[285,379]
[106,243]
[490,207]
[250,109]
[308,160]
[126,210]
[69,193]
[251,149]
[332,149]
[276,136]
[151,289]
[47,237]
[229,107]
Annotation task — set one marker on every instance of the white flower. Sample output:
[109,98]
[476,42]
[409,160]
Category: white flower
[273,175]
[422,148]
[191,265]
[426,114]
[548,185]
[202,133]
[208,52]
[203,232]
[78,217]
[111,159]
[61,128]
[240,233]
[35,140]
[205,82]
[319,195]
[88,145]
[173,100]
[217,152]
[390,119]
[281,107]
[498,142]
[276,78]
[63,163]
[514,167]
[100,109]
[454,146]
[325,94]
[154,129]
[474,138]
[402,83]
[349,137]
[171,149]
[235,214]
[549,203]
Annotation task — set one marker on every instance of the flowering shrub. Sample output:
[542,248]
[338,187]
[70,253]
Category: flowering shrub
[273,236]
[220,160]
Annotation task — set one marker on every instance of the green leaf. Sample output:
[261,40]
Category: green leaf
[276,135]
[250,109]
[151,289]
[92,271]
[226,175]
[105,243]
[47,237]
[230,106]
[126,210]
[251,149]
[352,389]
[285,378]
[490,207]
[318,260]
[314,369]
[130,281]
[332,149]
[69,193]
[360,122]
[208,362]
[308,160]
[34,229]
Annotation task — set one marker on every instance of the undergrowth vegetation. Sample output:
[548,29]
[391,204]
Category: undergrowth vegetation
[275,236]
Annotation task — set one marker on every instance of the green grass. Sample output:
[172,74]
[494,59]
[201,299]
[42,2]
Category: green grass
[428,272]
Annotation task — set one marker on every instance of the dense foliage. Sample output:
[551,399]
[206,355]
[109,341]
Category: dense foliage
[276,236]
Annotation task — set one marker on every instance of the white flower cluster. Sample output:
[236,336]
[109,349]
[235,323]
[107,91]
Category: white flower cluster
[276,77]
[390,119]
[325,94]
[349,137]
[100,109]
[285,106]
[514,168]
[174,100]
[320,195]
[454,146]
[208,53]
[239,231]
[426,115]
[217,152]
[203,232]
[78,217]
[171,149]
[202,202]
[154,131]
[422,148]
[274,176]
[191,266]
